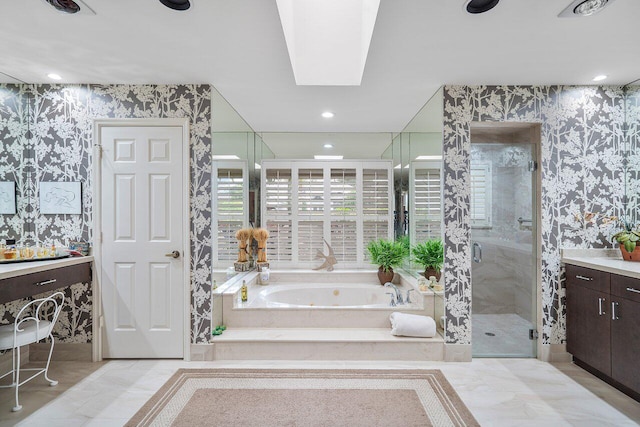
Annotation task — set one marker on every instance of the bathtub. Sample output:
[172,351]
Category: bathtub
[330,295]
[312,299]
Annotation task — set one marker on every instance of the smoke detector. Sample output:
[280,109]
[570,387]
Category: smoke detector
[580,8]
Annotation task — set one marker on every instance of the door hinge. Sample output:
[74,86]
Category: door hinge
[533,334]
[101,237]
[533,166]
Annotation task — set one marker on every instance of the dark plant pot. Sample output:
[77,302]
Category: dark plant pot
[631,256]
[432,272]
[385,276]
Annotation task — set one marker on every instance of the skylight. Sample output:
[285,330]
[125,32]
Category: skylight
[328,41]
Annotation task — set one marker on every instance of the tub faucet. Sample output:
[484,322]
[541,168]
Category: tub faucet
[393,301]
[408,300]
[398,294]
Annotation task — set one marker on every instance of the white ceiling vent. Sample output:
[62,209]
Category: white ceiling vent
[581,8]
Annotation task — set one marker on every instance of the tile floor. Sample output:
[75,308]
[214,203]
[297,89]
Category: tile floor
[500,335]
[499,392]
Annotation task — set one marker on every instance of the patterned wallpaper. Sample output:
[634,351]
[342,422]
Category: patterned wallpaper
[633,152]
[582,147]
[59,148]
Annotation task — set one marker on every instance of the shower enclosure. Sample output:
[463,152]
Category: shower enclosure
[504,239]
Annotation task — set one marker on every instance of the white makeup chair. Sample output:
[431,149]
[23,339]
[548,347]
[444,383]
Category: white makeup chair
[33,323]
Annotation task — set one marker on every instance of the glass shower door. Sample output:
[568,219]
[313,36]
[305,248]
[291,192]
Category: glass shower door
[503,235]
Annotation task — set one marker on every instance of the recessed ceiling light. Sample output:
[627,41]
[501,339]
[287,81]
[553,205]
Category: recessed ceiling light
[480,6]
[580,8]
[54,76]
[327,114]
[324,157]
[176,4]
[66,6]
[328,145]
[599,78]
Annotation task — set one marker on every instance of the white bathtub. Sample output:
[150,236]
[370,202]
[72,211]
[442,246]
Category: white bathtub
[317,299]
[330,295]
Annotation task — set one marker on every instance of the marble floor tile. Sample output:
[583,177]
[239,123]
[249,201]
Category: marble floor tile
[499,392]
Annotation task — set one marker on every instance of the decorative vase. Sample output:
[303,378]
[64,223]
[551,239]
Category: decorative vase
[428,272]
[630,256]
[385,276]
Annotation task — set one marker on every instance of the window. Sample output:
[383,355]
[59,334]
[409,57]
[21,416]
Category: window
[306,203]
[481,195]
[229,208]
[425,215]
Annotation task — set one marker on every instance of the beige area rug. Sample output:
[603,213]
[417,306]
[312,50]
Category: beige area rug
[244,397]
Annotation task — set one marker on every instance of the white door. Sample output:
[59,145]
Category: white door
[142,224]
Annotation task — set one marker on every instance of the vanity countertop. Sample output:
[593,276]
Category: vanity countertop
[8,271]
[608,260]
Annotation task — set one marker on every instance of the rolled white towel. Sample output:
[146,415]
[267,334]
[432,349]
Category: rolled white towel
[412,325]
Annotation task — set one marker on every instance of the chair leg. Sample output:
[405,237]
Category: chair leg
[46,369]
[17,378]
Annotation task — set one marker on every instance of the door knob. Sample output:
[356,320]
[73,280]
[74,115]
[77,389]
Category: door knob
[174,254]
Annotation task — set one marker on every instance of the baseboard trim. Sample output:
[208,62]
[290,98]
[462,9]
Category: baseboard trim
[73,352]
[457,352]
[555,353]
[202,352]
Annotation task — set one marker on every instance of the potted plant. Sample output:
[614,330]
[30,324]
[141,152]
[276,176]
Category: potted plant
[628,239]
[430,254]
[386,254]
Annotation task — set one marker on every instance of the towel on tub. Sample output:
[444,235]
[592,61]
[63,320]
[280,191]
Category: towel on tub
[412,325]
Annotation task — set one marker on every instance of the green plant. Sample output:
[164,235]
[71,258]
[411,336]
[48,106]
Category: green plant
[628,237]
[387,254]
[405,242]
[430,254]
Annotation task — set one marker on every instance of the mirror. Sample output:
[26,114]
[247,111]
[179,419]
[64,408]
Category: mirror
[15,160]
[632,152]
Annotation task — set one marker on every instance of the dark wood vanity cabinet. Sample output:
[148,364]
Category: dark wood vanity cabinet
[603,325]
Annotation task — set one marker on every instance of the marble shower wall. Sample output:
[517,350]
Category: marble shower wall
[582,151]
[59,138]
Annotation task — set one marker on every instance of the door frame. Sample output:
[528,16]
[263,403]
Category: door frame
[98,316]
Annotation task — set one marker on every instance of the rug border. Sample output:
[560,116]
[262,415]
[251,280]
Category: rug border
[449,398]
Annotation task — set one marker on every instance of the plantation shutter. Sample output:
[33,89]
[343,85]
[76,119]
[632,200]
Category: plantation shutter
[481,195]
[229,208]
[347,203]
[427,214]
[376,188]
[278,206]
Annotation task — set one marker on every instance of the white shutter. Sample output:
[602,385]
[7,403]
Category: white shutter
[277,192]
[344,241]
[343,193]
[310,239]
[348,203]
[427,198]
[480,195]
[230,208]
[279,245]
[310,192]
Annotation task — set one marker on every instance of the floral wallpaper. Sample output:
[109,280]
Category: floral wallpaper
[633,153]
[59,138]
[581,150]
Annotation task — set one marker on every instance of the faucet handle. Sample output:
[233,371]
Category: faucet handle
[408,300]
[393,301]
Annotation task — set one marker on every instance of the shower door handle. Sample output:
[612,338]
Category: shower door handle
[477,253]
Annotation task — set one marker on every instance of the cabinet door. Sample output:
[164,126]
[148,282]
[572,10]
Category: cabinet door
[588,326]
[625,343]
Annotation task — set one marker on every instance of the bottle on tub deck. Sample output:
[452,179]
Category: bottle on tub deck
[264,276]
[243,291]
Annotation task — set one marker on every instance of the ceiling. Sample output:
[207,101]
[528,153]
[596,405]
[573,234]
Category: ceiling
[238,46]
